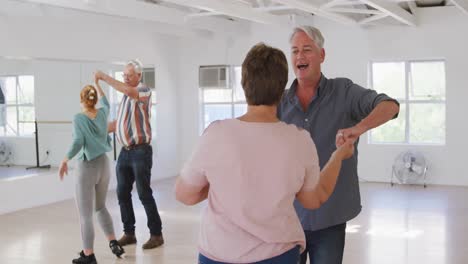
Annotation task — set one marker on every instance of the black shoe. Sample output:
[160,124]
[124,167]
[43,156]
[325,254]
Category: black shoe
[83,259]
[116,248]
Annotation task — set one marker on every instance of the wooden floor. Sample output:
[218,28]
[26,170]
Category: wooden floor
[398,225]
[11,172]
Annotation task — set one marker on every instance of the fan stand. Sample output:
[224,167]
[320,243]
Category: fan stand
[38,166]
[424,176]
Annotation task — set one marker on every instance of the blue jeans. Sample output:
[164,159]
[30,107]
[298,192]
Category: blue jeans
[325,246]
[289,257]
[135,165]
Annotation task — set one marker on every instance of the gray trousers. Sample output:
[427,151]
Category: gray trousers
[92,182]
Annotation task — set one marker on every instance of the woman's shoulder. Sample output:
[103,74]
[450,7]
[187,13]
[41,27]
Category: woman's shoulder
[79,117]
[299,134]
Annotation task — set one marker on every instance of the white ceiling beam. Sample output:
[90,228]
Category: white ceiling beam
[233,9]
[393,10]
[146,11]
[262,8]
[28,12]
[462,5]
[372,18]
[203,14]
[339,3]
[413,8]
[136,10]
[274,8]
[315,9]
[355,11]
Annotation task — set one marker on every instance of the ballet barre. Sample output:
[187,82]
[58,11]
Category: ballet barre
[36,133]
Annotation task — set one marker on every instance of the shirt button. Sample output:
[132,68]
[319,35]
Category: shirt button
[307,120]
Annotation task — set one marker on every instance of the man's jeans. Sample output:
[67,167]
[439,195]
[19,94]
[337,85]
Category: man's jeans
[134,165]
[325,246]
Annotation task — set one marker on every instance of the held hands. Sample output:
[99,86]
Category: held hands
[351,133]
[63,169]
[346,150]
[99,75]
[345,139]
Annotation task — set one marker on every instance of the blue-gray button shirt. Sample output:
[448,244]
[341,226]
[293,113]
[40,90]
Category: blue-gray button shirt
[339,103]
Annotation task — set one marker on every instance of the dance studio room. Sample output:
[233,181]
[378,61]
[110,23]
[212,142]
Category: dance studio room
[336,129]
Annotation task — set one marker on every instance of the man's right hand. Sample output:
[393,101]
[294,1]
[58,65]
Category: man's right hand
[99,75]
[111,126]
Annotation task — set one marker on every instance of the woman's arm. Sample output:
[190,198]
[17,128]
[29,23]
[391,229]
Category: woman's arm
[102,96]
[77,144]
[192,186]
[190,194]
[314,198]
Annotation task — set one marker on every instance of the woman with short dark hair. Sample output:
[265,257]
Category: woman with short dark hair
[251,169]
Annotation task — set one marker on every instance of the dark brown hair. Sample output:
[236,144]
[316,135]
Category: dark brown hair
[264,75]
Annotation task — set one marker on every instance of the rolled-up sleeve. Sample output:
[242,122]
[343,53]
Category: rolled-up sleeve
[144,94]
[362,101]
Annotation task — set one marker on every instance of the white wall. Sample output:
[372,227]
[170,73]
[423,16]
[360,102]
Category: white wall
[79,38]
[441,34]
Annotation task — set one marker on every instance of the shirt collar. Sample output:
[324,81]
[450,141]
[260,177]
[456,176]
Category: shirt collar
[321,85]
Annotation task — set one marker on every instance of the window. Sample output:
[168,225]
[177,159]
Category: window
[419,86]
[148,78]
[17,114]
[225,100]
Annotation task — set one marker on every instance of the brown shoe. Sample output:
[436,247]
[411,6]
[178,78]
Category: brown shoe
[127,239]
[153,242]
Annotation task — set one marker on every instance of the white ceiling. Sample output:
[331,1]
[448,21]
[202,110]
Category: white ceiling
[220,16]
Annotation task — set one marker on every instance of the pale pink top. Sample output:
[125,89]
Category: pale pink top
[254,171]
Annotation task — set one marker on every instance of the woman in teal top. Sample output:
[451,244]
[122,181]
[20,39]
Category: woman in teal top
[91,142]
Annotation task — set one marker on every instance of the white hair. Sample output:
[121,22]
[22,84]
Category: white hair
[313,33]
[137,65]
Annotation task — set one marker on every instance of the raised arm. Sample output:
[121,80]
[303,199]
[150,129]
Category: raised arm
[131,92]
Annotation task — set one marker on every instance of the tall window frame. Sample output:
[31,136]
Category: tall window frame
[217,103]
[18,111]
[420,88]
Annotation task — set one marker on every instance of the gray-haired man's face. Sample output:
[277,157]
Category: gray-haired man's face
[131,77]
[306,56]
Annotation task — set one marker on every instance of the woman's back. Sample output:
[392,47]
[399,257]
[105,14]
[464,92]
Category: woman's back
[91,138]
[254,171]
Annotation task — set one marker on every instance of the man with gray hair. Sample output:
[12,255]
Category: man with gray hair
[133,131]
[332,110]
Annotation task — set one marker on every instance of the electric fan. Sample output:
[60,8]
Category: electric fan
[5,154]
[410,167]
